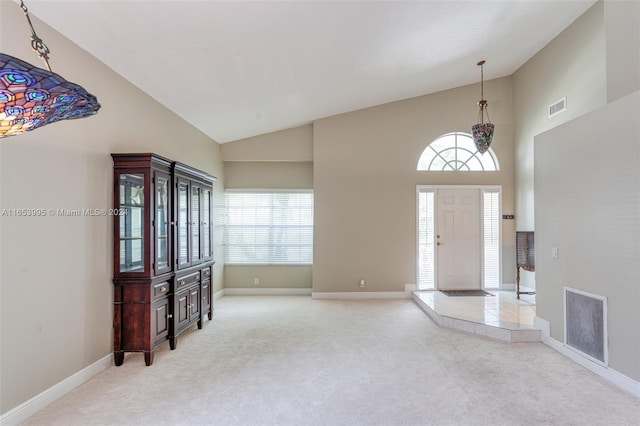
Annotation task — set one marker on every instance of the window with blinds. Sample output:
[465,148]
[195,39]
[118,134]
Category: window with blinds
[269,228]
[426,240]
[491,237]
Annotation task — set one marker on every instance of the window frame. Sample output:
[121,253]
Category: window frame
[305,249]
[432,153]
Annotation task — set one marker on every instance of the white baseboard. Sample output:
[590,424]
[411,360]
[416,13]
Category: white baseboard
[60,389]
[249,291]
[609,374]
[360,295]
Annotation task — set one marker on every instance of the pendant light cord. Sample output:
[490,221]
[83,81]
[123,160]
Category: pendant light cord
[483,103]
[36,42]
[481,80]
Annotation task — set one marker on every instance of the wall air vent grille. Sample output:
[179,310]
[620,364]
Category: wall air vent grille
[586,324]
[557,107]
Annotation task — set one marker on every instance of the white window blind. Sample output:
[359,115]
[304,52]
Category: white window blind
[426,248]
[491,238]
[269,228]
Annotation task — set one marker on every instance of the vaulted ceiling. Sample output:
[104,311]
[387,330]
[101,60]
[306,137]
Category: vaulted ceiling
[236,69]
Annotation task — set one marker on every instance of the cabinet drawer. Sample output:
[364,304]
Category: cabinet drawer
[160,289]
[187,280]
[205,273]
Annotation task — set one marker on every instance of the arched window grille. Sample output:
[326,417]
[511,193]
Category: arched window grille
[456,152]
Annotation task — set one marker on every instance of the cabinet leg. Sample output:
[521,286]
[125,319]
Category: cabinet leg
[148,358]
[210,314]
[200,324]
[118,358]
[173,342]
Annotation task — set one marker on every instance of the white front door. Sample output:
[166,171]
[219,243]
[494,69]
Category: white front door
[458,239]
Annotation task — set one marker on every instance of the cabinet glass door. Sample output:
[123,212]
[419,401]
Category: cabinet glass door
[183,224]
[206,224]
[132,222]
[195,223]
[162,222]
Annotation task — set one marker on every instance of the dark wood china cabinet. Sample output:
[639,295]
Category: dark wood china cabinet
[162,252]
[525,257]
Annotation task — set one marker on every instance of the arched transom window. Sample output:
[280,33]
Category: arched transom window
[456,152]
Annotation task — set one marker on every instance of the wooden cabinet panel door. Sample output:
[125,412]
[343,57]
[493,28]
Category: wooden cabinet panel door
[160,320]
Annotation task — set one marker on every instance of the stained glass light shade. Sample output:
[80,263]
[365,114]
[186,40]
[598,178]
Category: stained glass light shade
[31,97]
[482,134]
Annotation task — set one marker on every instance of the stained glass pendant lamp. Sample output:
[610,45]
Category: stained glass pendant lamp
[482,132]
[32,97]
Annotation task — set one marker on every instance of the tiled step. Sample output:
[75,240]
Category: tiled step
[503,332]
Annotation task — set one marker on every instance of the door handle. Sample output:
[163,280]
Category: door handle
[440,244]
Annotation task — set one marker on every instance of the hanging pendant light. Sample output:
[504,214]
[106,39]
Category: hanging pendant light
[32,97]
[482,132]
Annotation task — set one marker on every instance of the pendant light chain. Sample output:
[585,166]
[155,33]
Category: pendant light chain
[481,63]
[36,42]
[483,103]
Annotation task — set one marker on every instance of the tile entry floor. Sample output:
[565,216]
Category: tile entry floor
[501,316]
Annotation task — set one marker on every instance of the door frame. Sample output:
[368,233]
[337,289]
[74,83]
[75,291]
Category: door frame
[434,189]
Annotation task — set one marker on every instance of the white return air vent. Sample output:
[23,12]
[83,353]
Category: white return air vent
[558,107]
[585,324]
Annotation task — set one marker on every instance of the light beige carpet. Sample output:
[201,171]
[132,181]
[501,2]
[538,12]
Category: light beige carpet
[296,361]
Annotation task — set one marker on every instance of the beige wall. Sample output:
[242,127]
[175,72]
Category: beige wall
[295,144]
[571,65]
[364,219]
[269,276]
[585,171]
[623,47]
[365,183]
[587,205]
[56,290]
[268,175]
[278,160]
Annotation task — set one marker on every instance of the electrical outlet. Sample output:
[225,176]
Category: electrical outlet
[361,283]
[256,281]
[554,251]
